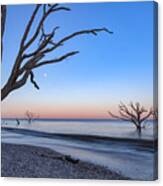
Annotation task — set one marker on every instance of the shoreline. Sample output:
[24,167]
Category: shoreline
[134,141]
[31,161]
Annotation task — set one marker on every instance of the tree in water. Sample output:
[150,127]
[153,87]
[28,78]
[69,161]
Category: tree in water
[30,116]
[26,62]
[134,113]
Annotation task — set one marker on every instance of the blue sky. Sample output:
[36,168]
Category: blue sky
[108,69]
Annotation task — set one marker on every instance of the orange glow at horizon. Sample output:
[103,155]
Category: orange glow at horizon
[60,112]
[82,113]
[83,110]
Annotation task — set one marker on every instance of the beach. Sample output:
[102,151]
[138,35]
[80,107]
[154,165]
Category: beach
[31,161]
[76,106]
[117,157]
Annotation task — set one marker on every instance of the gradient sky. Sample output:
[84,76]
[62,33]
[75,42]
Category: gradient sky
[108,69]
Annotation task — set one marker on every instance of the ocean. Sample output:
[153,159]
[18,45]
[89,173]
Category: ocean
[129,159]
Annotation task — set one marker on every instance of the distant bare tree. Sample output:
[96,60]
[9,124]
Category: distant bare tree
[26,61]
[134,112]
[30,116]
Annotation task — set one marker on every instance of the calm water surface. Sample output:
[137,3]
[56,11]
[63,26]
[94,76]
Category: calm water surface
[91,127]
[130,160]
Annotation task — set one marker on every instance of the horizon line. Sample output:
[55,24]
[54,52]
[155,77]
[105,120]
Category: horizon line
[14,118]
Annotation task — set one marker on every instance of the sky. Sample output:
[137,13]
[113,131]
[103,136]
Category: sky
[109,68]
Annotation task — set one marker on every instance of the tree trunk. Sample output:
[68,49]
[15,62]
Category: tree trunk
[5,92]
[139,130]
[3,21]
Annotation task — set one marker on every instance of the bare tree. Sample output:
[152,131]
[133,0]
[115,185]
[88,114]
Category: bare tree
[134,113]
[26,62]
[30,116]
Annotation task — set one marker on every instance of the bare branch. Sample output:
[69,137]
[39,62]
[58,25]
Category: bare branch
[61,8]
[29,26]
[117,117]
[33,81]
[146,116]
[133,106]
[19,58]
[124,115]
[45,39]
[82,32]
[26,62]
[22,81]
[94,31]
[45,15]
[56,60]
[30,63]
[124,109]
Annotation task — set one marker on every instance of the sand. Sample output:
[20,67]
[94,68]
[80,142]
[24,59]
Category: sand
[31,161]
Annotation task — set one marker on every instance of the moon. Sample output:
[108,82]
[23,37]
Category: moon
[45,75]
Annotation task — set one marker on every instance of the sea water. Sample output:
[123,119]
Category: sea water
[108,128]
[129,160]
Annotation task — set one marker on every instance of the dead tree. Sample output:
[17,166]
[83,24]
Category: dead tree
[134,113]
[30,116]
[26,62]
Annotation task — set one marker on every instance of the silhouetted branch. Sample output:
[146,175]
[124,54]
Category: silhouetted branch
[62,41]
[33,81]
[117,117]
[56,60]
[45,15]
[22,81]
[29,27]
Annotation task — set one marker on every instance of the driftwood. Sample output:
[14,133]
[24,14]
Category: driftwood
[60,157]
